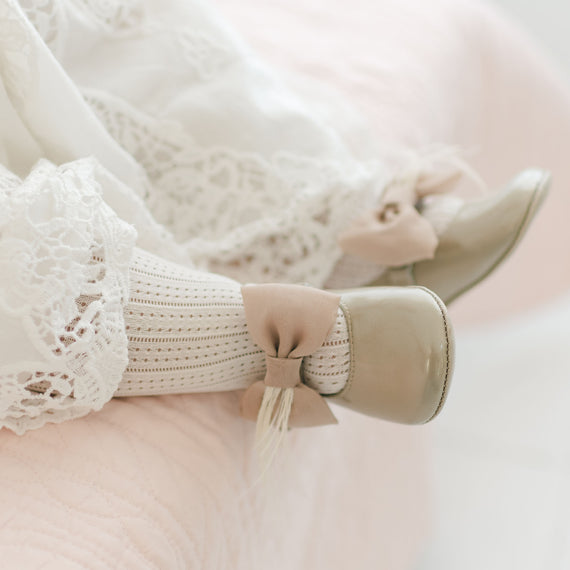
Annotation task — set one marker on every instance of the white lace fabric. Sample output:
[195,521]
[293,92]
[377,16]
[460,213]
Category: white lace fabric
[213,157]
[64,258]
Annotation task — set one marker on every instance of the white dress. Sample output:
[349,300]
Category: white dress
[149,123]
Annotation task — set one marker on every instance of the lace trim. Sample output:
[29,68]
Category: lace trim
[239,213]
[64,259]
[249,216]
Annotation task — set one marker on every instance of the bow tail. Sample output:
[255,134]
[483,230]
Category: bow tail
[276,409]
[282,408]
[270,407]
[309,409]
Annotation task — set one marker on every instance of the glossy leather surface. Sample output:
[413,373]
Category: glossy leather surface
[402,353]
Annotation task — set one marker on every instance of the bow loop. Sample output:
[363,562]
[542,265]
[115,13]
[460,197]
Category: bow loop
[288,321]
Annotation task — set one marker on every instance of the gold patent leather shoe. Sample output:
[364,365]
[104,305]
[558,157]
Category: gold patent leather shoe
[401,353]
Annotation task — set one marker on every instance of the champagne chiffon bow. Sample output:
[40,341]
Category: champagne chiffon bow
[395,233]
[288,322]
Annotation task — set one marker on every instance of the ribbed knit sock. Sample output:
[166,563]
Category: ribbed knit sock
[187,333]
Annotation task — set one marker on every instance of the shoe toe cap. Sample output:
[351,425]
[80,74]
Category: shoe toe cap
[402,353]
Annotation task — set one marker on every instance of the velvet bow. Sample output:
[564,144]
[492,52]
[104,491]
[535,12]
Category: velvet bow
[288,322]
[395,233]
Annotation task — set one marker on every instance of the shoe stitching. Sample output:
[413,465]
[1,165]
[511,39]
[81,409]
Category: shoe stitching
[446,328]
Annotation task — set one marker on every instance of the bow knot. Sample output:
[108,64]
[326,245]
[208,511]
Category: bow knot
[282,372]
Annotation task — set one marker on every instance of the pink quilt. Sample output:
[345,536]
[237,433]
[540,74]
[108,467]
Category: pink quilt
[167,482]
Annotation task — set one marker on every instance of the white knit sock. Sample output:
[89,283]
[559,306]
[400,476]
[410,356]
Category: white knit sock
[187,333]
